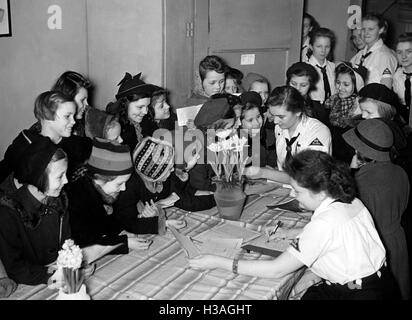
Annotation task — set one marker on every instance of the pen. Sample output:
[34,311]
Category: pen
[274,230]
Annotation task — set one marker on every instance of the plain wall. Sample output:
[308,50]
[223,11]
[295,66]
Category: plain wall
[33,58]
[123,36]
[332,14]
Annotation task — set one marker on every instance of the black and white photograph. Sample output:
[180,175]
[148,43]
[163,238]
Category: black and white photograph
[206,157]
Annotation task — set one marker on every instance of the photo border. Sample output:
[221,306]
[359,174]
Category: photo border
[8,12]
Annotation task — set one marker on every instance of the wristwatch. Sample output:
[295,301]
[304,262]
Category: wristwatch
[235,265]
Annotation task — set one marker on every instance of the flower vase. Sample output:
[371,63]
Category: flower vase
[229,200]
[79,295]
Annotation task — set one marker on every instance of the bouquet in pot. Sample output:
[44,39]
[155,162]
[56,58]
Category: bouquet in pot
[228,158]
[70,260]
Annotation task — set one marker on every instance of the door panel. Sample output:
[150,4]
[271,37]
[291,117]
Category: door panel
[269,29]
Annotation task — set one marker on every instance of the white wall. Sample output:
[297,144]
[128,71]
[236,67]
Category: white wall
[123,35]
[332,14]
[32,59]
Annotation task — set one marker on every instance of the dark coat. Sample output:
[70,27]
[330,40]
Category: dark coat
[149,126]
[125,207]
[31,234]
[78,150]
[89,221]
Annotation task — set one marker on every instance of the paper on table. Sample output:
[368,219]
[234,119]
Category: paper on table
[227,231]
[222,247]
[96,251]
[187,113]
[186,243]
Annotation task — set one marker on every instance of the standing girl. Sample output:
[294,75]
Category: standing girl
[322,44]
[376,56]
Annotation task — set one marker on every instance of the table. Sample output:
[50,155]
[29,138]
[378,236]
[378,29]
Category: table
[162,271]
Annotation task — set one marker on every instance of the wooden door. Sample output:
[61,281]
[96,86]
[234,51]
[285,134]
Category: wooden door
[178,50]
[269,30]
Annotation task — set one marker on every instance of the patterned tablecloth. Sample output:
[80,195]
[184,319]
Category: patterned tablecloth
[162,271]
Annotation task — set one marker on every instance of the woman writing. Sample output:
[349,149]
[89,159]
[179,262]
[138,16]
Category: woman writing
[340,243]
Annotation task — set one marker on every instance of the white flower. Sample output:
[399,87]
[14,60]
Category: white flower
[224,133]
[215,147]
[70,256]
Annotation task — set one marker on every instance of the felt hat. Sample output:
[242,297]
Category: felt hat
[302,66]
[379,92]
[372,138]
[252,97]
[252,77]
[96,122]
[109,159]
[211,111]
[34,160]
[153,158]
[134,85]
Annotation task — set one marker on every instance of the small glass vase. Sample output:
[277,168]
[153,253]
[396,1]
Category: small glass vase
[230,200]
[79,295]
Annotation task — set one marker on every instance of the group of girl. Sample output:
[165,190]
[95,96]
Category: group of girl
[101,177]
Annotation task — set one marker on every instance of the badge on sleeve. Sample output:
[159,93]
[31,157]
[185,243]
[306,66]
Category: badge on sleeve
[295,244]
[316,142]
[387,72]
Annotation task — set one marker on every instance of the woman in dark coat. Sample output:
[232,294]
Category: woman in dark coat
[384,189]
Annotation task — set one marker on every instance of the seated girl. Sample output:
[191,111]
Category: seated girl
[91,198]
[131,105]
[340,244]
[159,114]
[77,87]
[294,132]
[55,113]
[34,220]
[216,114]
[251,121]
[151,182]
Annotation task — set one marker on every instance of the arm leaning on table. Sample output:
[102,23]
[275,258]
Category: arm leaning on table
[283,265]
[267,173]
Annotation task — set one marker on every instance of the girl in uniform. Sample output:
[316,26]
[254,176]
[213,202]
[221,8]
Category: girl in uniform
[340,244]
[376,56]
[322,43]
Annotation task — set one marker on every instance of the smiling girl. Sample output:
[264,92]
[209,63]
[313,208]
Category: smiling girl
[133,100]
[376,56]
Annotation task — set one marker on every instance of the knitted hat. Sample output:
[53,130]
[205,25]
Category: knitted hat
[252,77]
[34,160]
[298,66]
[153,158]
[372,138]
[109,159]
[134,85]
[252,97]
[211,111]
[379,92]
[96,122]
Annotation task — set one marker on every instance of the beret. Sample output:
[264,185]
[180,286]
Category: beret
[211,111]
[379,92]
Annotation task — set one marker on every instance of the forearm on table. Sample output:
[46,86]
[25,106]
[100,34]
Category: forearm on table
[275,175]
[277,268]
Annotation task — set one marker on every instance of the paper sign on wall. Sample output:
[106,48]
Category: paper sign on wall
[246,59]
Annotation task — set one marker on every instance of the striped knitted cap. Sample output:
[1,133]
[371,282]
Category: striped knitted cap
[153,158]
[109,159]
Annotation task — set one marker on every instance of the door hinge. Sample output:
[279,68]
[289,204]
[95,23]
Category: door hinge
[189,29]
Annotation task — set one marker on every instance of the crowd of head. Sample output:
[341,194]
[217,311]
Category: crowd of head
[103,176]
